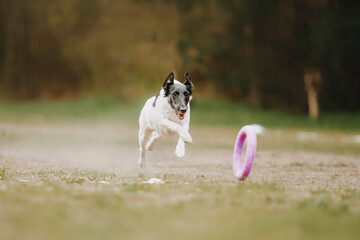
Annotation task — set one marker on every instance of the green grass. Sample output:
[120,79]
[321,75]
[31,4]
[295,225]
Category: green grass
[85,110]
[231,114]
[78,210]
[203,114]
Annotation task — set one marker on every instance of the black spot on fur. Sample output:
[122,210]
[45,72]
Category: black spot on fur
[189,85]
[168,82]
[156,97]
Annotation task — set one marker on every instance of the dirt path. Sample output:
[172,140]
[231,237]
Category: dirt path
[29,149]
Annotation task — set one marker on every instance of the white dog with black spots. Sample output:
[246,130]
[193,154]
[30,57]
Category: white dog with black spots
[166,114]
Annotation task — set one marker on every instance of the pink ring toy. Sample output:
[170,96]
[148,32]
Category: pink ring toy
[241,172]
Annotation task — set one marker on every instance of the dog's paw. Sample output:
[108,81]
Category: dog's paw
[180,151]
[141,163]
[186,137]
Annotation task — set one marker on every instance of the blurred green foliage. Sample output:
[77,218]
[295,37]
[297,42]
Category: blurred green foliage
[57,49]
[259,50]
[242,50]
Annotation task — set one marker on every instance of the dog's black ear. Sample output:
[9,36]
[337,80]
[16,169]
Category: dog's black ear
[189,85]
[168,82]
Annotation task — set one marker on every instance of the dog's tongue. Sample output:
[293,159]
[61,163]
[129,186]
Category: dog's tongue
[181,116]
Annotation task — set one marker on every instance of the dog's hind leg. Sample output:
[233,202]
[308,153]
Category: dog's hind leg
[154,137]
[143,137]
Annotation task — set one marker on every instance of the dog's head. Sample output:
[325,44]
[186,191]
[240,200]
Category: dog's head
[178,94]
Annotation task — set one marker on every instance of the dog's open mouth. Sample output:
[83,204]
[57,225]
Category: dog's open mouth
[181,116]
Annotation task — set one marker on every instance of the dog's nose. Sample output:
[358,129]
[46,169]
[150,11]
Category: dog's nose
[183,110]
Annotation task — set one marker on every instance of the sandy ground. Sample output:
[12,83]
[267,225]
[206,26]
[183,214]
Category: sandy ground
[29,149]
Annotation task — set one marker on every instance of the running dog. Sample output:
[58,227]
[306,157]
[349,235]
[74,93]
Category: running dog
[166,114]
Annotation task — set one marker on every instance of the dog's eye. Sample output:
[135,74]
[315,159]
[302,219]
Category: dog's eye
[186,94]
[175,94]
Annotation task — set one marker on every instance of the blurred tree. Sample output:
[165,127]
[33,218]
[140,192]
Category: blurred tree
[333,46]
[259,50]
[249,50]
[33,35]
[62,48]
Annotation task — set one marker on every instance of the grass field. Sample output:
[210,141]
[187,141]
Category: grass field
[68,170]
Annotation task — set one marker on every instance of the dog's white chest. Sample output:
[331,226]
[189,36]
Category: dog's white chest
[171,115]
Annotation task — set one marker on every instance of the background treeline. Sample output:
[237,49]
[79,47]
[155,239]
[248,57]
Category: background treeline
[245,50]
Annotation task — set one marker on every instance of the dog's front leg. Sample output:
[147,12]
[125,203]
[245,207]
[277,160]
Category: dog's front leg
[180,147]
[184,134]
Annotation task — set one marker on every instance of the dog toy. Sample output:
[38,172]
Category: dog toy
[241,171]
